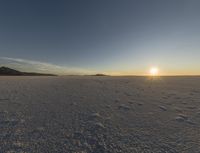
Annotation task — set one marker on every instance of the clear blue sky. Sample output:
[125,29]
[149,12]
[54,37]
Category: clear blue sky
[112,36]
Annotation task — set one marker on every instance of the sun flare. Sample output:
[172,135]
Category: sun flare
[154,71]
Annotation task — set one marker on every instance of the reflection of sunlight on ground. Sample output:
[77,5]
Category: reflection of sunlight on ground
[154,78]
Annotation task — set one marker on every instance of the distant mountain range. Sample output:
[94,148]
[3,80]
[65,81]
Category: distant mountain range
[5,71]
[100,75]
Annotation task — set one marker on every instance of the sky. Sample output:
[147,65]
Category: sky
[117,37]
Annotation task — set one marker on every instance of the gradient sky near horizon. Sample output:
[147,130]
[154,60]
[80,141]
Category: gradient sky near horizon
[104,36]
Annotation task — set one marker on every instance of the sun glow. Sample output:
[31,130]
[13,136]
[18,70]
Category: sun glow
[154,71]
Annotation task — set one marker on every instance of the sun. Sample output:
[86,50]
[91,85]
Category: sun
[154,71]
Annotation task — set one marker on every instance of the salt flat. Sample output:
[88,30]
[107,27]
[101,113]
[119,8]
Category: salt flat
[88,114]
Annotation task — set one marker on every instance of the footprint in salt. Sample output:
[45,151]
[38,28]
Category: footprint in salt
[163,108]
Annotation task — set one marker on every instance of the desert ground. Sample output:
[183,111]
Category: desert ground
[94,114]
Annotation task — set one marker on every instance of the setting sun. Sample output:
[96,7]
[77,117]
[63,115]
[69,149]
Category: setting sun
[154,71]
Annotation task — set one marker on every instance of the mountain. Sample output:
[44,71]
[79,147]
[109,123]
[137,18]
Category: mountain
[100,74]
[11,72]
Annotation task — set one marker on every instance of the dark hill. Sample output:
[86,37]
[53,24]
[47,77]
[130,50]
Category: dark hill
[100,75]
[11,72]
